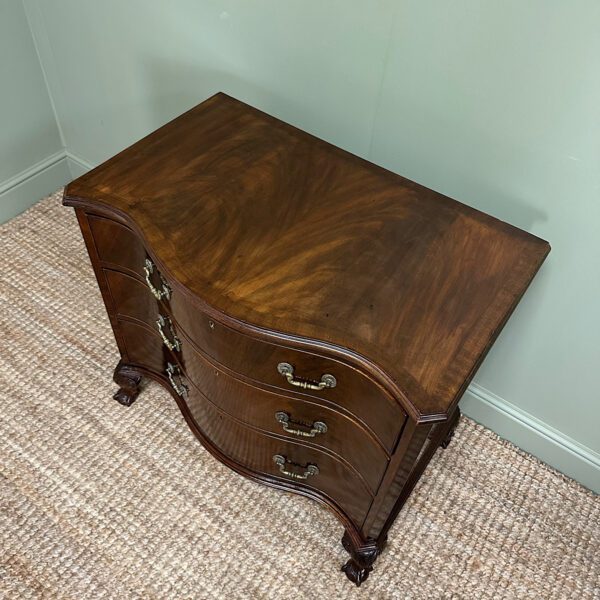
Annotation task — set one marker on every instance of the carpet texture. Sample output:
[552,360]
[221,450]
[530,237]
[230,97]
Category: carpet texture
[102,501]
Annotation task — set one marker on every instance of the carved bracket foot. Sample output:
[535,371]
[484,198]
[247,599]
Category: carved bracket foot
[448,437]
[362,557]
[128,379]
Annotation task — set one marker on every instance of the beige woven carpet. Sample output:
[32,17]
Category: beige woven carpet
[102,501]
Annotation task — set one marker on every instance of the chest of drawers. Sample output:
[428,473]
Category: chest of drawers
[315,317]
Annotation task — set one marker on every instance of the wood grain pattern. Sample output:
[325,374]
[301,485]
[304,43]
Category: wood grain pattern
[277,247]
[276,228]
[248,400]
[121,253]
[247,445]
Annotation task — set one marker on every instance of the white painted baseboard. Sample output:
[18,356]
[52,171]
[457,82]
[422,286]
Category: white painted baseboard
[508,421]
[532,435]
[27,187]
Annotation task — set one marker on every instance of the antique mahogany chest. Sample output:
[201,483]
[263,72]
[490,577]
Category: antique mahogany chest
[316,317]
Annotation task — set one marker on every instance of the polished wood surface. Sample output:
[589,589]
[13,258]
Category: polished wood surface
[276,228]
[248,446]
[248,400]
[228,242]
[244,354]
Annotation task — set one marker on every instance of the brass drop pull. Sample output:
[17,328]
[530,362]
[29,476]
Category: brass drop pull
[285,420]
[327,380]
[163,322]
[165,291]
[172,372]
[309,469]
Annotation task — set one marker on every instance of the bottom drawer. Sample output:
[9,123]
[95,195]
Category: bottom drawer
[144,347]
[256,451]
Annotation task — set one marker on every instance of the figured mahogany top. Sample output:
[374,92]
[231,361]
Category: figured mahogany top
[288,233]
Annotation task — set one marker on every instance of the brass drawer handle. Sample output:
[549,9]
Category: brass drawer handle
[327,380]
[310,470]
[172,372]
[285,420]
[165,291]
[161,322]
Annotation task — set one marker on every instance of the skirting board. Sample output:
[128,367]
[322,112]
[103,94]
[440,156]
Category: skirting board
[532,435]
[77,166]
[508,421]
[27,187]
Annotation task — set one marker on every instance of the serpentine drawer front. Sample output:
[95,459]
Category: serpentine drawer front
[315,317]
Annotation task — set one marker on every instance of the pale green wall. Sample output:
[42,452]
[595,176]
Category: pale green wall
[28,130]
[498,104]
[494,103]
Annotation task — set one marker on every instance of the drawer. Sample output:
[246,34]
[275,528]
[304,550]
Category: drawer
[248,447]
[117,245]
[144,347]
[297,419]
[256,451]
[120,248]
[131,298]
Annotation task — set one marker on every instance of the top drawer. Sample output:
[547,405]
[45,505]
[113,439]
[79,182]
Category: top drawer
[117,245]
[262,361]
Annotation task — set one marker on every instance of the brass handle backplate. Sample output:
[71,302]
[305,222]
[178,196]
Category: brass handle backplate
[285,419]
[163,322]
[172,372]
[327,380]
[165,291]
[309,470]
